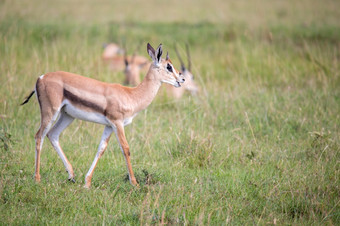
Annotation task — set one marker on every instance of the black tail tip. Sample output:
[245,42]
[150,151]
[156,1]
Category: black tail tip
[28,98]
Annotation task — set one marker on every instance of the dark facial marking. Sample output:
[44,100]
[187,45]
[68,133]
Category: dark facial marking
[169,67]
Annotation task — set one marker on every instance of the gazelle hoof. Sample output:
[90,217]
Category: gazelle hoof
[72,180]
[37,178]
[135,184]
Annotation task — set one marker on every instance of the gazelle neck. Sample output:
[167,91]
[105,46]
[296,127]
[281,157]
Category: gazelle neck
[146,91]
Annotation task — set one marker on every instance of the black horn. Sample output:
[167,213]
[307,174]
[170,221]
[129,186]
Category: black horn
[135,52]
[188,55]
[125,52]
[180,59]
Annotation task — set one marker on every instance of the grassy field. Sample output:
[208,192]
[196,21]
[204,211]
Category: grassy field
[259,145]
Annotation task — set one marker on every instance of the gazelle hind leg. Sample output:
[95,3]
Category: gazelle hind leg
[53,135]
[46,123]
[101,149]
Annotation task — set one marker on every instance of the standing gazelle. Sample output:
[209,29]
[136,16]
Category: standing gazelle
[73,96]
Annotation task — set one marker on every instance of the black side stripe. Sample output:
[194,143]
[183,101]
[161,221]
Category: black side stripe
[75,99]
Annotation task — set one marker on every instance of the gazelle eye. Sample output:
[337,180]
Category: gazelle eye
[169,67]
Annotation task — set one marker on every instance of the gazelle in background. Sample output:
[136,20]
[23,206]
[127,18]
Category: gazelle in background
[115,57]
[71,96]
[132,70]
[111,50]
[189,84]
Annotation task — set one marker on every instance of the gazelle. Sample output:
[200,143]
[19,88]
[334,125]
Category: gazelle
[73,96]
[189,84]
[111,50]
[132,71]
[113,56]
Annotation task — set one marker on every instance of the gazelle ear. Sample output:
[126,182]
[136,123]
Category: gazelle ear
[167,56]
[151,52]
[159,53]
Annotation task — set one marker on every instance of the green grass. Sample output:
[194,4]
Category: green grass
[259,145]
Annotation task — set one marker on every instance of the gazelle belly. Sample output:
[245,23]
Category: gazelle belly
[84,115]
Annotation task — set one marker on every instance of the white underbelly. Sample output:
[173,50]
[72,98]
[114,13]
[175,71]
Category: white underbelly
[85,115]
[128,120]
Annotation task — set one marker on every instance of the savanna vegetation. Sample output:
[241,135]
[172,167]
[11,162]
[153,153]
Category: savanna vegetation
[258,145]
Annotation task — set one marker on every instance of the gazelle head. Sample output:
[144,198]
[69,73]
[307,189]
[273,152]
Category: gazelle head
[133,68]
[165,69]
[111,50]
[189,84]
[132,72]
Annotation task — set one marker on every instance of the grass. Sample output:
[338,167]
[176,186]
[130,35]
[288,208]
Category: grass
[259,145]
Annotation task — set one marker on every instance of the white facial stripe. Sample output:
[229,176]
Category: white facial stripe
[173,70]
[169,82]
[176,75]
[176,84]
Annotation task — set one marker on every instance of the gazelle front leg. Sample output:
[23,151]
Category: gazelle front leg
[120,134]
[101,149]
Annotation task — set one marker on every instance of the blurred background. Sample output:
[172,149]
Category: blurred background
[257,144]
[253,14]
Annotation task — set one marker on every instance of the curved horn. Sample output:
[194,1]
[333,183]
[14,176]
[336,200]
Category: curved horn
[188,55]
[125,53]
[135,52]
[180,59]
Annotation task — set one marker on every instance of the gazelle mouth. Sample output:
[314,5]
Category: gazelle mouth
[177,84]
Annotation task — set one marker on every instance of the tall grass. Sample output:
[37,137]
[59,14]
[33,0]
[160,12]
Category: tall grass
[259,145]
